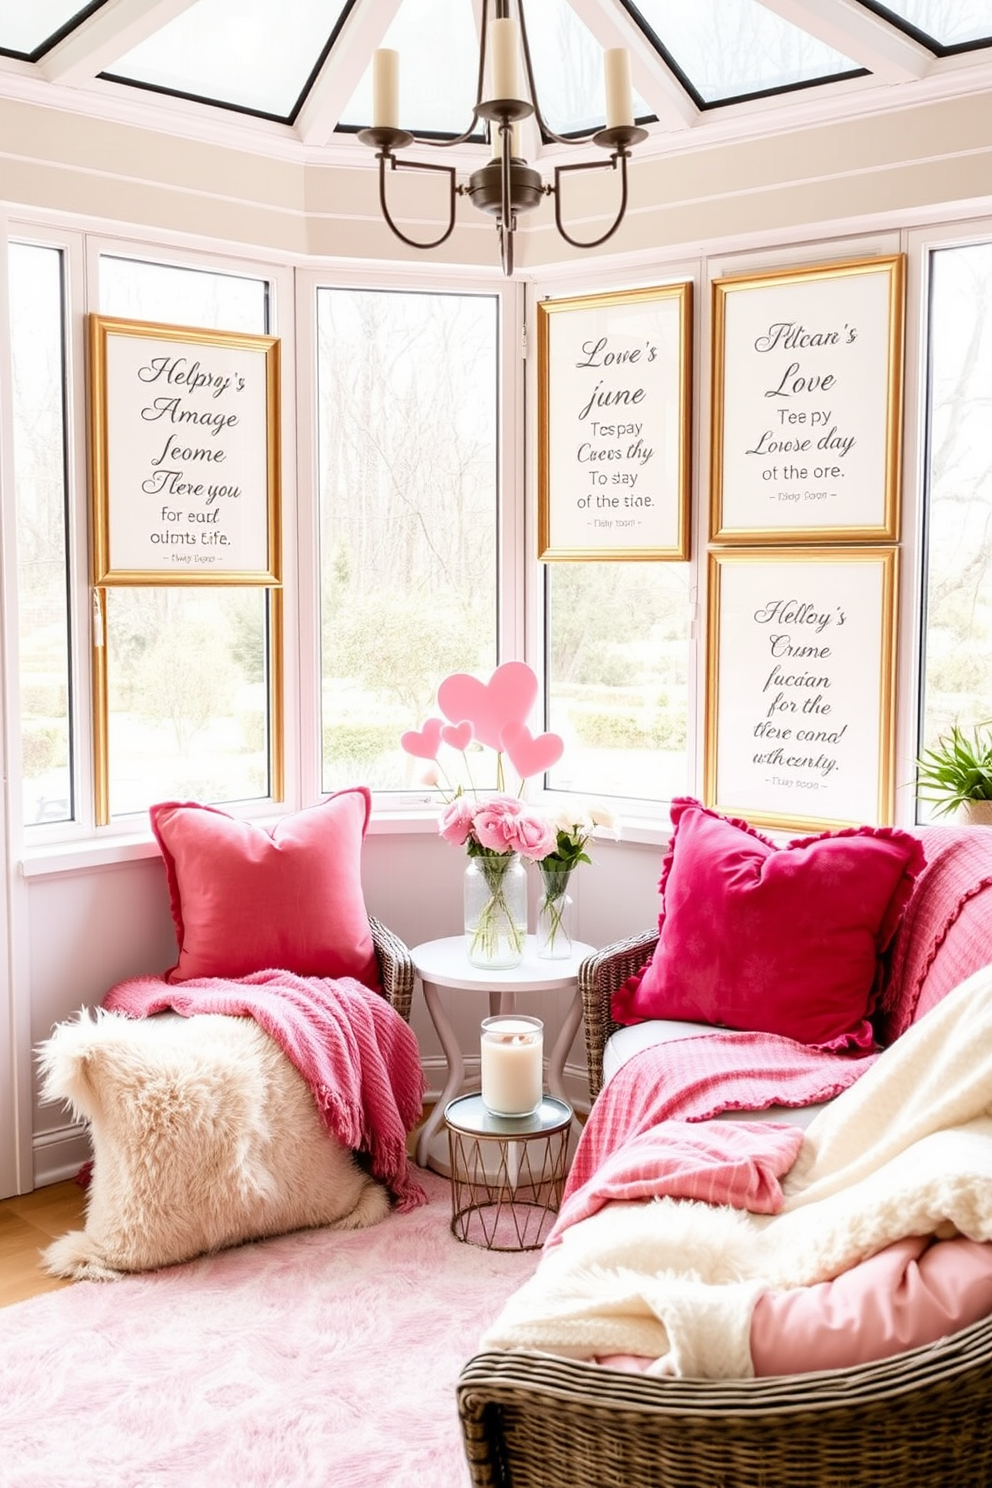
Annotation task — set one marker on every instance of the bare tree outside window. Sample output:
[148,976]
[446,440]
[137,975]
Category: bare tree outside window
[407,429]
[617,667]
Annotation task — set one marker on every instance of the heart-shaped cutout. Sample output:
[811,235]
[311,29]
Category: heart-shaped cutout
[458,735]
[423,742]
[489,707]
[530,756]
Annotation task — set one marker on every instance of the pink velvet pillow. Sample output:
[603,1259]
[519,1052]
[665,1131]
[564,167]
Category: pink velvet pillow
[245,898]
[775,940]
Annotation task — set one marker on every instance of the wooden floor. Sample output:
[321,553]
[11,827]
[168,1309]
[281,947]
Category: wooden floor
[27,1224]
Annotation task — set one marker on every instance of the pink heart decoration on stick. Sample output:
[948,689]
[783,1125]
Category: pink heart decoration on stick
[530,756]
[458,735]
[506,698]
[423,742]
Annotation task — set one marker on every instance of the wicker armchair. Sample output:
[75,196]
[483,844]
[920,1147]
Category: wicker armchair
[599,977]
[918,1420]
[395,968]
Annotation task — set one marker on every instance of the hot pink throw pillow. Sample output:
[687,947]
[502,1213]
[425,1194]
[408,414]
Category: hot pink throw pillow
[245,898]
[772,939]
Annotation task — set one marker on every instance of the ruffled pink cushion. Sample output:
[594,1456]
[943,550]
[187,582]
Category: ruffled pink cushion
[782,940]
[911,1293]
[248,899]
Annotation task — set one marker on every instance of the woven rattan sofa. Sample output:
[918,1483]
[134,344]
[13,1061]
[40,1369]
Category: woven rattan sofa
[920,1419]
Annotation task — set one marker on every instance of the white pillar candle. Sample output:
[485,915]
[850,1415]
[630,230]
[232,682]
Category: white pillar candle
[385,89]
[619,100]
[512,1053]
[504,54]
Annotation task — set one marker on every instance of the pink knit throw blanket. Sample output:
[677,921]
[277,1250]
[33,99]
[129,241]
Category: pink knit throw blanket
[693,1079]
[358,1056]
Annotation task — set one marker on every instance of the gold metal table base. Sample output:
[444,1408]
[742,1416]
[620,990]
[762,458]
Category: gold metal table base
[506,1190]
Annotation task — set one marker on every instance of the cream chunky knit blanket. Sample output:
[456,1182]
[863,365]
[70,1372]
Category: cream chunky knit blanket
[905,1151]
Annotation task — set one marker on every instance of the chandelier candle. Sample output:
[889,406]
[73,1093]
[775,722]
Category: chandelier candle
[385,88]
[512,1055]
[619,99]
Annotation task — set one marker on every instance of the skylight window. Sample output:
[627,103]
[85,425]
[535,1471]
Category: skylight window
[944,24]
[726,49]
[246,54]
[568,70]
[439,66]
[28,30]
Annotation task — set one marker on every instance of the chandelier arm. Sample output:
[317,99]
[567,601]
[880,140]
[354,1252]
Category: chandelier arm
[560,170]
[395,164]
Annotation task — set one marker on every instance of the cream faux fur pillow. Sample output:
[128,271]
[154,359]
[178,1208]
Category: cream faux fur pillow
[204,1135]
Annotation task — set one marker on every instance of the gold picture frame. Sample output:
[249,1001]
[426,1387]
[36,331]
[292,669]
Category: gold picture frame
[807,396]
[800,685]
[614,426]
[184,451]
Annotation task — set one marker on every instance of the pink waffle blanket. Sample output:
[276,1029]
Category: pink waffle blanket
[358,1056]
[694,1079]
[738,1163]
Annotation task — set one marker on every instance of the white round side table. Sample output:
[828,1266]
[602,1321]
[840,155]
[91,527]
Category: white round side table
[444,964]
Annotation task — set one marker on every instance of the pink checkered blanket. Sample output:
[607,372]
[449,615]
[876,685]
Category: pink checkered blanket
[738,1163]
[358,1056]
[694,1079]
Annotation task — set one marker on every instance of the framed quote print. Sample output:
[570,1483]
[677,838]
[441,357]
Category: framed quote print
[613,425]
[185,455]
[807,404]
[800,685]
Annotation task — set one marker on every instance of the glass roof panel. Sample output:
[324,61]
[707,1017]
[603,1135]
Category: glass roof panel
[568,69]
[25,29]
[736,48]
[437,81]
[248,54]
[946,23]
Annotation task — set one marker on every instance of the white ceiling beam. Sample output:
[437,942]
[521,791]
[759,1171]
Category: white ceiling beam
[343,67]
[612,26]
[888,53]
[104,36]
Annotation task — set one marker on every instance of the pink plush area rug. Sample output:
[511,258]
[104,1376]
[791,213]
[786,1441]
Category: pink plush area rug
[315,1359]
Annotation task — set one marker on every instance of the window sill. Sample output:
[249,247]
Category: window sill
[51,859]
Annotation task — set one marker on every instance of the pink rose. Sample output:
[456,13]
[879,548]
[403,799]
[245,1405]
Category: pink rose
[534,835]
[493,825]
[455,825]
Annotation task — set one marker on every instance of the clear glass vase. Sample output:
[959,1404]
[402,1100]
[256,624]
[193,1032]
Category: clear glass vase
[554,915]
[495,909]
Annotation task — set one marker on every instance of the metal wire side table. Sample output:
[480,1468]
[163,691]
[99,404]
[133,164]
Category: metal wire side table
[507,1172]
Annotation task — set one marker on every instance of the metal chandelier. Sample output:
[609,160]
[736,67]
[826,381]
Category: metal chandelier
[506,186]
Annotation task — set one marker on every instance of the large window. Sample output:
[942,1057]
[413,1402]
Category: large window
[187,668]
[37,338]
[958,634]
[618,677]
[407,452]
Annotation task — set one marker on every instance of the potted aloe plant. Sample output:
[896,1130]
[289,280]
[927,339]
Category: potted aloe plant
[956,774]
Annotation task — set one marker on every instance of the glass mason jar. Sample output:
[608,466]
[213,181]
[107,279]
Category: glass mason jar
[495,909]
[554,914]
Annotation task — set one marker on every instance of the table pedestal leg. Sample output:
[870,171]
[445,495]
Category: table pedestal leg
[456,1070]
